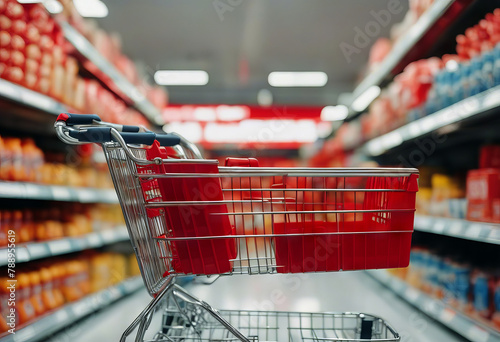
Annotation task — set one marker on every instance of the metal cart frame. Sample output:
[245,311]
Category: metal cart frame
[125,153]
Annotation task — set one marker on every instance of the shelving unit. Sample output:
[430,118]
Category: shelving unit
[475,231]
[109,75]
[70,313]
[39,250]
[412,46]
[473,107]
[450,317]
[30,98]
[33,191]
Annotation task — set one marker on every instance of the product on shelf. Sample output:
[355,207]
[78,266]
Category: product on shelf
[483,188]
[110,47]
[428,85]
[35,55]
[470,289]
[23,161]
[44,286]
[65,220]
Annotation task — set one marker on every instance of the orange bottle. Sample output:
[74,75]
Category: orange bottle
[40,227]
[6,160]
[24,305]
[71,288]
[48,297]
[16,170]
[36,293]
[6,314]
[16,223]
[84,277]
[6,226]
[29,154]
[58,273]
[27,230]
[3,230]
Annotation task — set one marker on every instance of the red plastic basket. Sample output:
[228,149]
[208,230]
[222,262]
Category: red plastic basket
[219,222]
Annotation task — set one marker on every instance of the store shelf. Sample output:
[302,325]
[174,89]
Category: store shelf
[39,250]
[30,98]
[109,75]
[450,317]
[32,191]
[473,107]
[70,313]
[413,45]
[476,231]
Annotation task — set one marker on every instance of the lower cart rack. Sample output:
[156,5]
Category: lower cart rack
[187,319]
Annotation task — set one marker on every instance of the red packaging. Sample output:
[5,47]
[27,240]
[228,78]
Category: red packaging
[212,256]
[489,157]
[483,187]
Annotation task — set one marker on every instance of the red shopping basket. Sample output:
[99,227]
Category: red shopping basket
[364,228]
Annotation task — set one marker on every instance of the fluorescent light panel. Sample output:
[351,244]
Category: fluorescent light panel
[181,77]
[91,8]
[364,100]
[297,79]
[334,113]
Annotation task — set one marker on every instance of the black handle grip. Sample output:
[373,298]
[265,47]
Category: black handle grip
[127,128]
[78,119]
[147,138]
[168,139]
[92,134]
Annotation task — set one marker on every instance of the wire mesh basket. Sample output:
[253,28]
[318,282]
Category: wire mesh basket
[188,321]
[187,215]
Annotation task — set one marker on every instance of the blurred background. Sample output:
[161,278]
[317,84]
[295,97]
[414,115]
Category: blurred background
[396,83]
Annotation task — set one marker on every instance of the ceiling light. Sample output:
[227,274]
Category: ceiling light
[297,79]
[264,98]
[334,113]
[91,8]
[53,6]
[364,100]
[181,77]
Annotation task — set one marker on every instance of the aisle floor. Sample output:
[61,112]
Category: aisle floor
[353,291]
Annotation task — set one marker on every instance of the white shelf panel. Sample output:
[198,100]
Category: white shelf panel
[473,106]
[450,317]
[30,98]
[70,313]
[463,229]
[46,249]
[33,191]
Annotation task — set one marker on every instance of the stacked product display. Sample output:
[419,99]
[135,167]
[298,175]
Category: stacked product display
[23,161]
[475,197]
[472,288]
[429,85]
[34,54]
[63,220]
[46,286]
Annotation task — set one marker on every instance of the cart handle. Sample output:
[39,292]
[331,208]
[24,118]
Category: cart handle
[103,135]
[71,119]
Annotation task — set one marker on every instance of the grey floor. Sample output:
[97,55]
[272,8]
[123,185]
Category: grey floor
[350,291]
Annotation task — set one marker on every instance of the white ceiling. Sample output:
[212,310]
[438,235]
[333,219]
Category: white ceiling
[264,35]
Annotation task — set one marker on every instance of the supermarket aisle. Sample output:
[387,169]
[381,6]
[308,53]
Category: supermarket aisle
[354,291]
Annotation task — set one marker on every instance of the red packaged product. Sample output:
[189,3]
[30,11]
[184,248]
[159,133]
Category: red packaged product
[489,157]
[483,187]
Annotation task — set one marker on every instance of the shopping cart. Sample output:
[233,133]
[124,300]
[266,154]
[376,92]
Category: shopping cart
[187,215]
